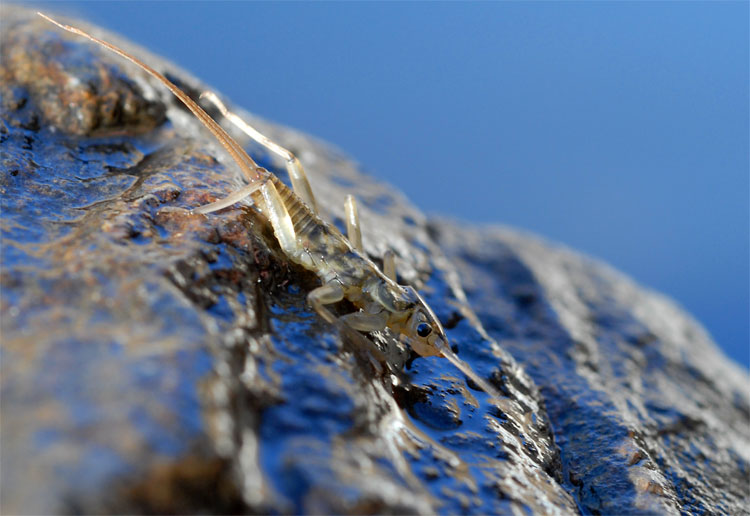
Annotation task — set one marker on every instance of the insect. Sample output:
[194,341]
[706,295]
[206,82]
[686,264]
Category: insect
[340,263]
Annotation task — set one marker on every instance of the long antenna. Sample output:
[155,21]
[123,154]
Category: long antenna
[245,162]
[468,371]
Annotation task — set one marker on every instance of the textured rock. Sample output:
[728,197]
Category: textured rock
[647,412]
[68,86]
[154,361]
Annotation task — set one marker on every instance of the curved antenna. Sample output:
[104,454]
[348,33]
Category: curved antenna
[459,364]
[467,370]
[245,162]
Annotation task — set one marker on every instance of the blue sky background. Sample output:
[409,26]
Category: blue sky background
[619,129]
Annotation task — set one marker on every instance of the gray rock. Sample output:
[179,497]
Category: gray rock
[647,412]
[157,362]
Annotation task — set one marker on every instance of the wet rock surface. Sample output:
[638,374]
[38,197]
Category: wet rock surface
[159,362]
[648,414]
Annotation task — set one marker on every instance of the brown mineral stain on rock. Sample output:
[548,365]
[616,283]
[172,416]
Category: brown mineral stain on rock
[193,484]
[636,457]
[76,88]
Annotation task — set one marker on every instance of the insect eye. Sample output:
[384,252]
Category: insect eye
[424,329]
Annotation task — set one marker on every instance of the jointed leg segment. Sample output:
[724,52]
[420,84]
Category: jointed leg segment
[230,199]
[296,173]
[276,212]
[271,205]
[389,264]
[327,294]
[332,292]
[362,321]
[353,230]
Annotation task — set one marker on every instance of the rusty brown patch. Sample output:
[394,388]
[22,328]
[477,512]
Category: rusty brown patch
[74,86]
[191,485]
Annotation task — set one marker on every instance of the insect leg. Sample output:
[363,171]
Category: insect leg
[327,294]
[332,292]
[229,199]
[245,162]
[296,173]
[389,264]
[277,214]
[272,206]
[365,322]
[352,223]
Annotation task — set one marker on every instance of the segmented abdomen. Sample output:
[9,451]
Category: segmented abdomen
[302,217]
[321,247]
